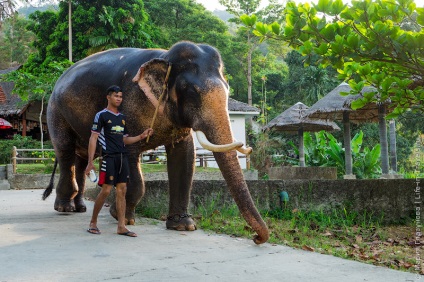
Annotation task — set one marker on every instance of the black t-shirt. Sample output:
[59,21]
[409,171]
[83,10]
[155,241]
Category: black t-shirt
[112,130]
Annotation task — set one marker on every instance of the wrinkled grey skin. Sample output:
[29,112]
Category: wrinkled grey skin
[196,99]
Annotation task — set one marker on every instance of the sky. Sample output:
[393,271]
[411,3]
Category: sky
[214,4]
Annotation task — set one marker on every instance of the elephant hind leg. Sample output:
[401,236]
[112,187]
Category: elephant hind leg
[80,165]
[67,187]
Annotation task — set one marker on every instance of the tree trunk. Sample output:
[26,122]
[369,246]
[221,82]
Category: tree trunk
[249,75]
[348,150]
[301,148]
[249,71]
[383,139]
[70,30]
[393,157]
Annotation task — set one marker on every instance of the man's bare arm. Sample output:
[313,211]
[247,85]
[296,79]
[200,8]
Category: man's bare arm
[130,140]
[91,151]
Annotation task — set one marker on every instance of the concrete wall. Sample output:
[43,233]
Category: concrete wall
[391,199]
[295,172]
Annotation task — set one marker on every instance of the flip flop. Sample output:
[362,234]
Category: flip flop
[94,231]
[129,234]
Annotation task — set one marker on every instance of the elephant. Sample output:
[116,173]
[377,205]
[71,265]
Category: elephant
[185,90]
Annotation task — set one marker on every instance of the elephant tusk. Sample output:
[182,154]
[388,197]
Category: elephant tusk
[245,150]
[201,137]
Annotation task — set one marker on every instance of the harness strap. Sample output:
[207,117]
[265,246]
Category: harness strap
[164,87]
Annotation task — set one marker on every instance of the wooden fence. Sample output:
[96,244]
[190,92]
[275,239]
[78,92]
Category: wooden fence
[154,157]
[16,156]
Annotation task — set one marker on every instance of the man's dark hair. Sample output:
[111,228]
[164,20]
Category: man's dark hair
[113,88]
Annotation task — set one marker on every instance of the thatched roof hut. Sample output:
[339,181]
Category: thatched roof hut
[333,105]
[23,116]
[293,120]
[9,104]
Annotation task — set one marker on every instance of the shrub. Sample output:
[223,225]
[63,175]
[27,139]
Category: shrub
[20,142]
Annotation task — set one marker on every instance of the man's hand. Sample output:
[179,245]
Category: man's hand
[89,167]
[147,132]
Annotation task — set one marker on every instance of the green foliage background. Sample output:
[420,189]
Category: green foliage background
[280,76]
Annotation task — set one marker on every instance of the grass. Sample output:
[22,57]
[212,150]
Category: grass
[339,232]
[35,168]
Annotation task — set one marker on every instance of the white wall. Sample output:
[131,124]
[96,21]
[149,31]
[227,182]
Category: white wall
[239,133]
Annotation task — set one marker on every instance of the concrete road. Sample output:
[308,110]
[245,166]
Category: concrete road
[40,244]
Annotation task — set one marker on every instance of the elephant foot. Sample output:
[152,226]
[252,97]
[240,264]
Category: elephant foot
[129,216]
[64,205]
[180,222]
[79,205]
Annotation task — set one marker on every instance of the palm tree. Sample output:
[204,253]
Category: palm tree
[113,34]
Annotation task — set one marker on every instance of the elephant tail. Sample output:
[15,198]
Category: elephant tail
[49,188]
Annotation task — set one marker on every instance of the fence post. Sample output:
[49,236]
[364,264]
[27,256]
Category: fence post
[14,154]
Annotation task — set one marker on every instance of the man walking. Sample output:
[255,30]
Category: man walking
[110,130]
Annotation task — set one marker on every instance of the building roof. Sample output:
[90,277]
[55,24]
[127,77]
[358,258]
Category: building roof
[237,106]
[10,69]
[332,106]
[10,104]
[293,119]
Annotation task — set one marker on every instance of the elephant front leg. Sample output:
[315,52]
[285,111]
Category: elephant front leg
[180,163]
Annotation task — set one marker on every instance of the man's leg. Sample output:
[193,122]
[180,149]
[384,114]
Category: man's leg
[98,204]
[121,190]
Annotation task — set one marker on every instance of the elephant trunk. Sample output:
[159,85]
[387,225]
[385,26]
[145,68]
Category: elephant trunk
[230,168]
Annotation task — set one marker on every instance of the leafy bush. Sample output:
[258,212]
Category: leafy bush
[265,145]
[20,142]
[324,150]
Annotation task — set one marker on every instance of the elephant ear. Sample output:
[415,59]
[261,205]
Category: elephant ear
[151,77]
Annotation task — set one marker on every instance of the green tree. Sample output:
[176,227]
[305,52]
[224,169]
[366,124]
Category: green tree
[306,84]
[186,20]
[15,42]
[370,42]
[240,7]
[244,11]
[92,23]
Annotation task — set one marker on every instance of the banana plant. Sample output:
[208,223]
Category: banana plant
[324,150]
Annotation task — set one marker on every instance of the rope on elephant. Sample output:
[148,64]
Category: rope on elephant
[164,87]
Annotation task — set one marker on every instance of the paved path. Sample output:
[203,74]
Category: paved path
[39,244]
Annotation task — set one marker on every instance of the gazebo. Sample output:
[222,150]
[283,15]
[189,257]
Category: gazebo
[293,120]
[334,106]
